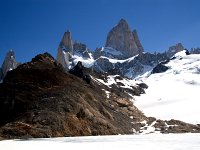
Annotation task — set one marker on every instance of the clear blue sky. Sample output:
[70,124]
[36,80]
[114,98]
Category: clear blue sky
[30,27]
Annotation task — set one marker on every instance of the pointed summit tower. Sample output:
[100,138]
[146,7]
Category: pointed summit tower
[124,40]
[123,24]
[65,50]
[66,43]
[9,63]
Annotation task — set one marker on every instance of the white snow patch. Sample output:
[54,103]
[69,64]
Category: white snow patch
[147,129]
[127,83]
[114,61]
[87,62]
[107,93]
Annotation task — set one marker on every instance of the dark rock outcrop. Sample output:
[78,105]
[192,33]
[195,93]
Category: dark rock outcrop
[159,68]
[171,126]
[1,74]
[78,71]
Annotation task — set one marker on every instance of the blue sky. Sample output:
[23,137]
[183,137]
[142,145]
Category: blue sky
[30,27]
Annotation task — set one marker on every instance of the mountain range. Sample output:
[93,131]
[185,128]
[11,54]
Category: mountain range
[84,92]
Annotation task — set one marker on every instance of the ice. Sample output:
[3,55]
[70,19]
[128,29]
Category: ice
[118,142]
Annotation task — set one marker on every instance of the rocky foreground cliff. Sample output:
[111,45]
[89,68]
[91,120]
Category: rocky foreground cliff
[39,99]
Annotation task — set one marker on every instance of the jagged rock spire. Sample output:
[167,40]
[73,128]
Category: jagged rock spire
[124,40]
[9,63]
[66,44]
[137,41]
[65,50]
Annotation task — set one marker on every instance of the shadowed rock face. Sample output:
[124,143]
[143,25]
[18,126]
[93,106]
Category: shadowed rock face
[123,39]
[38,99]
[78,71]
[1,74]
[65,50]
[66,43]
[159,68]
[9,63]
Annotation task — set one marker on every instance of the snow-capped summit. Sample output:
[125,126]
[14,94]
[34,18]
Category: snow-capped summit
[173,93]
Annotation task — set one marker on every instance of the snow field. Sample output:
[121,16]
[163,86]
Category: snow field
[139,142]
[174,94]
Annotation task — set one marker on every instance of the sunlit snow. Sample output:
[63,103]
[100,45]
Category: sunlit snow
[138,142]
[87,62]
[175,93]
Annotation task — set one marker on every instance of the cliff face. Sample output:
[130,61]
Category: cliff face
[66,43]
[65,50]
[124,40]
[9,63]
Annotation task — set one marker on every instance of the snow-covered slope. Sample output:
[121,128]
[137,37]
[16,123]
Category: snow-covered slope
[174,93]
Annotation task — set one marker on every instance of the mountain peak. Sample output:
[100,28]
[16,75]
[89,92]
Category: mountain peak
[123,23]
[9,62]
[65,49]
[122,39]
[66,43]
